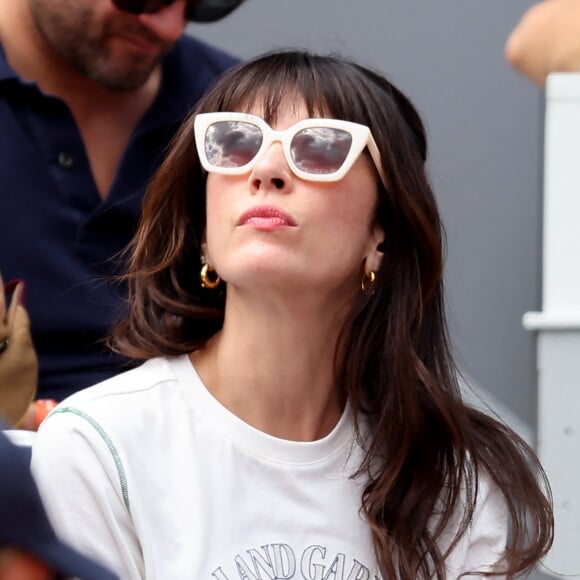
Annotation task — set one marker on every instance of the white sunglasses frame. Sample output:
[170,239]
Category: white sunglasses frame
[361,138]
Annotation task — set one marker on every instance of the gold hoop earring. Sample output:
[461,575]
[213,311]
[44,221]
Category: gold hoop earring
[368,281]
[207,281]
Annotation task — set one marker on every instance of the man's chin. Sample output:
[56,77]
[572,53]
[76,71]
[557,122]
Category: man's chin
[123,79]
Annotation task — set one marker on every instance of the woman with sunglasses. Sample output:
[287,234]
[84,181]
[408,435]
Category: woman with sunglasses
[298,413]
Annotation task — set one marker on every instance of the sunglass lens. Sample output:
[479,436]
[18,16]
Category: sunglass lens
[320,150]
[232,143]
[141,6]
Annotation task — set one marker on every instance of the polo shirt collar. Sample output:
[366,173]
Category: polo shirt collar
[174,81]
[6,72]
[177,91]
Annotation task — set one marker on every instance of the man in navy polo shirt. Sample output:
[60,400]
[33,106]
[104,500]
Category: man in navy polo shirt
[91,92]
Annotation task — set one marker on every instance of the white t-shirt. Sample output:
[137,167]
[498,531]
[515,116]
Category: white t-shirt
[150,474]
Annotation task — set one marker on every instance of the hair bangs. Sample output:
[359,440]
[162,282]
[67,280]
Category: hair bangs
[285,80]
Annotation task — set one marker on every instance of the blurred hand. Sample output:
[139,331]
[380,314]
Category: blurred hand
[546,40]
[18,361]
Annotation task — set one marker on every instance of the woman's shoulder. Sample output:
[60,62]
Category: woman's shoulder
[138,384]
[125,404]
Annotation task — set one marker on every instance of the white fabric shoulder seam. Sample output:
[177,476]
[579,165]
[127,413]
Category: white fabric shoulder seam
[109,444]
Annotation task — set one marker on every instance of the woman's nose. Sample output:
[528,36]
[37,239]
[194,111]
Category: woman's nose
[271,171]
[168,23]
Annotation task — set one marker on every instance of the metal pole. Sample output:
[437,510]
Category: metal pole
[558,324]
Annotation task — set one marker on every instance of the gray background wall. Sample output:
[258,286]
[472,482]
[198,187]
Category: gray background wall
[485,129]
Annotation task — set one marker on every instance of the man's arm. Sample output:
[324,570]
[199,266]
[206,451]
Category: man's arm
[547,39]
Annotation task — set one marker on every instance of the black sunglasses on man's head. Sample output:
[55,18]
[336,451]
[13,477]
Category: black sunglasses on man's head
[196,11]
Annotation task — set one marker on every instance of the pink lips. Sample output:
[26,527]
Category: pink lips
[266,217]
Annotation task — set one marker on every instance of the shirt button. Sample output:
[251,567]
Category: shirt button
[65,160]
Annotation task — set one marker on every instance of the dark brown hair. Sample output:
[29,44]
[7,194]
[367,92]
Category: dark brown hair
[426,450]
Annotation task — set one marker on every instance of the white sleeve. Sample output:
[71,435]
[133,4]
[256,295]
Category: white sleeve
[80,475]
[487,534]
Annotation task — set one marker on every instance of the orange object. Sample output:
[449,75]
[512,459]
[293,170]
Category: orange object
[42,407]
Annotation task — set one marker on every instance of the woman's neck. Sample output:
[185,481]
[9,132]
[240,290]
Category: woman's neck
[273,366]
